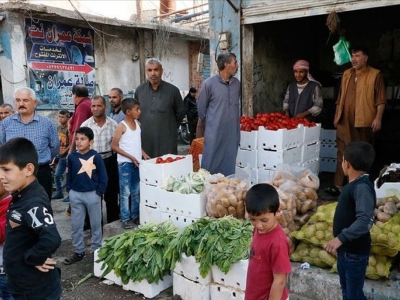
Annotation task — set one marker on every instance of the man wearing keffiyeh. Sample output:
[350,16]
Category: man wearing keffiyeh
[303,98]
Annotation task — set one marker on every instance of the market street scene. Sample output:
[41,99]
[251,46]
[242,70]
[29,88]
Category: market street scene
[200,149]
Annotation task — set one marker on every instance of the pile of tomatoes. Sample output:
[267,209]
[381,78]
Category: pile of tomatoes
[272,121]
[168,159]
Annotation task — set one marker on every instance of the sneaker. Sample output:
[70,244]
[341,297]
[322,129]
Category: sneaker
[136,221]
[66,199]
[57,195]
[127,225]
[74,258]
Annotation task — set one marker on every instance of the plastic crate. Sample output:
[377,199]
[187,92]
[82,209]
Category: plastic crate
[328,136]
[248,140]
[149,214]
[189,268]
[189,205]
[310,152]
[328,150]
[97,270]
[149,290]
[265,175]
[149,194]
[281,139]
[312,165]
[221,292]
[327,164]
[311,134]
[153,174]
[267,159]
[190,290]
[179,221]
[388,189]
[236,277]
[246,158]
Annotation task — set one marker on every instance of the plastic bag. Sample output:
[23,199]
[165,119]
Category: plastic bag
[341,51]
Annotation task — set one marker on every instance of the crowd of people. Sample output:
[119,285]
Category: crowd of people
[102,152]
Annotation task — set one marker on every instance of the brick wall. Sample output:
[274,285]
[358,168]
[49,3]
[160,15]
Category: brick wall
[195,79]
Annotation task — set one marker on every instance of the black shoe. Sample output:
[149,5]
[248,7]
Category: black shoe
[127,225]
[332,190]
[74,258]
[136,221]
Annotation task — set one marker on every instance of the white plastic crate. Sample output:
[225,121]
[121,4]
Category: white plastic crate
[312,165]
[149,214]
[328,136]
[327,164]
[98,272]
[265,175]
[248,140]
[149,194]
[149,290]
[249,174]
[153,174]
[179,221]
[267,159]
[328,150]
[311,134]
[246,158]
[220,292]
[189,268]
[281,139]
[189,205]
[388,189]
[236,277]
[310,151]
[190,290]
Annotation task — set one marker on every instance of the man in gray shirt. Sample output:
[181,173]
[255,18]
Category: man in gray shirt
[115,97]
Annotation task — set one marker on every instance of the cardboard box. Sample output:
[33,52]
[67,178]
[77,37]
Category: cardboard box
[189,205]
[267,159]
[246,158]
[149,214]
[248,140]
[236,277]
[190,290]
[281,139]
[149,290]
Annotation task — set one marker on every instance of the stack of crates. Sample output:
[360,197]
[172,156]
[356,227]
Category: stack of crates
[261,151]
[328,153]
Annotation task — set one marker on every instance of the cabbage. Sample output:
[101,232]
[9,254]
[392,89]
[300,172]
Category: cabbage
[168,183]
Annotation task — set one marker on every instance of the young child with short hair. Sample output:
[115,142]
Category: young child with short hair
[269,263]
[31,234]
[86,183]
[5,199]
[353,219]
[61,158]
[127,143]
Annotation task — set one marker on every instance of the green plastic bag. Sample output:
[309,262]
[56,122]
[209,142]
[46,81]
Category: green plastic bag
[341,51]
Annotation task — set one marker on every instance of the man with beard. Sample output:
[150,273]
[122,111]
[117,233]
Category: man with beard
[162,110]
[303,98]
[116,96]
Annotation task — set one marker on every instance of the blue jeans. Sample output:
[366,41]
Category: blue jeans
[351,268]
[128,185]
[3,289]
[58,174]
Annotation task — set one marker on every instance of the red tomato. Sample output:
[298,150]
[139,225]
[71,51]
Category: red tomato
[159,160]
[169,159]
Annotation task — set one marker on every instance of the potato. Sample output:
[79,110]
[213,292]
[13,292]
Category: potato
[232,211]
[383,217]
[306,206]
[240,211]
[225,202]
[302,196]
[233,200]
[311,194]
[380,201]
[222,211]
[381,207]
[398,205]
[282,205]
[390,208]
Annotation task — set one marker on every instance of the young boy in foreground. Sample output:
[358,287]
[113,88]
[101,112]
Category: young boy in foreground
[353,219]
[86,183]
[269,263]
[31,234]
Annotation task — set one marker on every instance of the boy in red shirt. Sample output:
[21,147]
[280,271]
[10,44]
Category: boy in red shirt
[269,263]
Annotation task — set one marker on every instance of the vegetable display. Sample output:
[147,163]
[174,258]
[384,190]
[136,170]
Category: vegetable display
[272,121]
[192,183]
[138,254]
[221,242]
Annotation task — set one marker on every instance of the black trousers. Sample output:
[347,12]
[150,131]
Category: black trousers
[112,191]
[45,178]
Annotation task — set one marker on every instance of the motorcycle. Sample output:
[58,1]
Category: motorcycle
[183,131]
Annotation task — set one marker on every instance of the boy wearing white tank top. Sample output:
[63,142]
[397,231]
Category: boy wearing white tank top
[127,143]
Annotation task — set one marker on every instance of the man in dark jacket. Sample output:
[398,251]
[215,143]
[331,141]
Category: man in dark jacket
[191,112]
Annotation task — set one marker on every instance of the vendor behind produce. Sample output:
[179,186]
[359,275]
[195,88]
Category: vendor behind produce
[303,98]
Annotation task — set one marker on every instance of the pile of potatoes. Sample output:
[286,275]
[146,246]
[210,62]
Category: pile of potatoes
[226,196]
[312,254]
[385,209]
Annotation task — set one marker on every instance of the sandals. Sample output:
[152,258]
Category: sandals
[332,190]
[74,258]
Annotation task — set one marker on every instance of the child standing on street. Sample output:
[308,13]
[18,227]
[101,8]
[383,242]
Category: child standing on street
[86,183]
[5,199]
[269,263]
[63,136]
[127,143]
[353,219]
[31,234]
